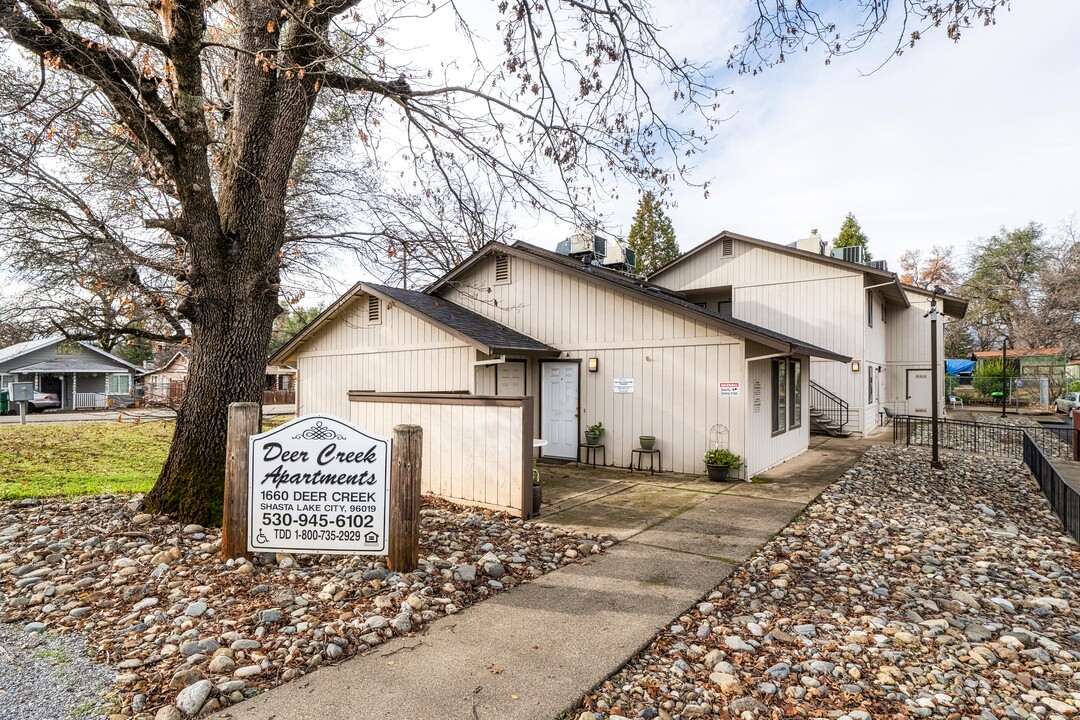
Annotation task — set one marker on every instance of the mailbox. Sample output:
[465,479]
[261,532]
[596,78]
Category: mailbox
[22,392]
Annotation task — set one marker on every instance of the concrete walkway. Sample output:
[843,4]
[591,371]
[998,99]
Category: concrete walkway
[532,653]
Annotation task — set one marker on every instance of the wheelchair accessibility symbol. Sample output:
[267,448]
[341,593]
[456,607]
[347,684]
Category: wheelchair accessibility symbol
[261,538]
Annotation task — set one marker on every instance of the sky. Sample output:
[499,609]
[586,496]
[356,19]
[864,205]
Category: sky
[941,146]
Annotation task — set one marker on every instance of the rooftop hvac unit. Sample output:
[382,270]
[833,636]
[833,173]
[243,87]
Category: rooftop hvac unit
[856,254]
[619,257]
[879,265]
[581,243]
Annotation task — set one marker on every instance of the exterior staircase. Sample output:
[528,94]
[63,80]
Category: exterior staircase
[829,413]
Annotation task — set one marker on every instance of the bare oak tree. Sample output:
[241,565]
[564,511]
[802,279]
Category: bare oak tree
[184,156]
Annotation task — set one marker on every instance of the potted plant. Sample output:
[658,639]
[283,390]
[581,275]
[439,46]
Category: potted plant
[593,433]
[647,441]
[718,462]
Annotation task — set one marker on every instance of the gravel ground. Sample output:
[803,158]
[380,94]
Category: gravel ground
[189,634]
[47,677]
[899,593]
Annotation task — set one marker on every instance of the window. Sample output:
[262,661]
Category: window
[779,395]
[884,314]
[502,269]
[727,247]
[119,384]
[870,385]
[374,310]
[795,372]
[723,304]
[869,309]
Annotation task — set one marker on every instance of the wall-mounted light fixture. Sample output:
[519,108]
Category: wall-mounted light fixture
[594,364]
[855,366]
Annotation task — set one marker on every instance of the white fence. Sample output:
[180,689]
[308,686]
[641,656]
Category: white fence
[90,400]
[478,449]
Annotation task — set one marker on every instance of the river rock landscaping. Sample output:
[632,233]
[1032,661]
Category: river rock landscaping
[900,593]
[187,634]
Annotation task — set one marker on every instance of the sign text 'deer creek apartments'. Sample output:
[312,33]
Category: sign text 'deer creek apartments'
[318,484]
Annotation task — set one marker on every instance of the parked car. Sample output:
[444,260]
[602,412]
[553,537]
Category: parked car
[1068,403]
[43,401]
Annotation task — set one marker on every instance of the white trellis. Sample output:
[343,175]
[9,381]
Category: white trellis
[719,437]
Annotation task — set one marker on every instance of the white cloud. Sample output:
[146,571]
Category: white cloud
[942,145]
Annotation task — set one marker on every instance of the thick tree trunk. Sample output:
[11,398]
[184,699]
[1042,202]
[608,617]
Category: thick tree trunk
[228,364]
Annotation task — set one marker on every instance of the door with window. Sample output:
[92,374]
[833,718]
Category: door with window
[559,408]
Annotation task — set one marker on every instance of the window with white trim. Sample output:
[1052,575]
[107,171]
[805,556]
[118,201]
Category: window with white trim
[119,384]
[779,395]
[795,373]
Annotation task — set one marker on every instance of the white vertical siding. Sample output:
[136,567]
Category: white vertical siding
[908,340]
[402,353]
[677,363]
[473,452]
[765,450]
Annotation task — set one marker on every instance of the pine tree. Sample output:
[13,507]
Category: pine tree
[852,235]
[651,236]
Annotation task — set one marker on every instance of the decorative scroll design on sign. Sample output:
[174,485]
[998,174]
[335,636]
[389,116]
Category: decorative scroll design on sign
[318,432]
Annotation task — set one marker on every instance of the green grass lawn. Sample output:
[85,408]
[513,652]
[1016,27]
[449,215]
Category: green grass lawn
[84,458]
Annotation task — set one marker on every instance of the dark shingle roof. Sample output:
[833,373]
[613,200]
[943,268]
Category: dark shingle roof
[669,297]
[496,338]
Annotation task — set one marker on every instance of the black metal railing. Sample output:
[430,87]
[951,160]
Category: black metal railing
[833,407]
[1038,447]
[985,438]
[1064,499]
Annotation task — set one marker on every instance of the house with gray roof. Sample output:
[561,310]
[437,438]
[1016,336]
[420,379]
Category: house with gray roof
[589,344]
[83,375]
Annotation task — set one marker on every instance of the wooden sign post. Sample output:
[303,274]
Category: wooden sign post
[405,498]
[243,423]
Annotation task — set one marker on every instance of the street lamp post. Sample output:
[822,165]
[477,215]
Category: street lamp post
[935,461]
[1004,394]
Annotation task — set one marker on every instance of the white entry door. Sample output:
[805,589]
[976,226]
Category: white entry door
[919,392]
[510,379]
[559,408]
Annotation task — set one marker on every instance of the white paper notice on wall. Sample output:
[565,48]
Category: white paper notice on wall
[729,389]
[624,386]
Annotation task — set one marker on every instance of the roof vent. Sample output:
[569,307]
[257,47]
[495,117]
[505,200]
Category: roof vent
[502,269]
[727,247]
[374,310]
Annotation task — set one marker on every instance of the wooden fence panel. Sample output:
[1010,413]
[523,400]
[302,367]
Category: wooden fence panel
[475,449]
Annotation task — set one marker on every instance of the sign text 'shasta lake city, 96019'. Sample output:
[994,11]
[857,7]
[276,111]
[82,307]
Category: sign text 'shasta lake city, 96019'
[318,484]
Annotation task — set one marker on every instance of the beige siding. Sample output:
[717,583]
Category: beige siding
[677,363]
[765,450]
[472,453]
[909,349]
[402,353]
[749,265]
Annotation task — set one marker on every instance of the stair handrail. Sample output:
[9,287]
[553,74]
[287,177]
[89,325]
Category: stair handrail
[834,407]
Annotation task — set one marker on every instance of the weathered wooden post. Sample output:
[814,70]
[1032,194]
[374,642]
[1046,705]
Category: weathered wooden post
[405,498]
[1076,434]
[243,423]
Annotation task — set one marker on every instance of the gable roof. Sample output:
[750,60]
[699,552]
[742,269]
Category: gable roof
[891,290]
[165,366]
[486,335]
[653,294]
[12,352]
[1022,352]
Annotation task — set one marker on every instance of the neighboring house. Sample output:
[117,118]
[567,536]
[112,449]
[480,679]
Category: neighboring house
[854,309]
[84,376]
[589,344]
[165,385]
[1050,362]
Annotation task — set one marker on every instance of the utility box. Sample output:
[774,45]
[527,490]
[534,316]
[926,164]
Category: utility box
[3,402]
[22,392]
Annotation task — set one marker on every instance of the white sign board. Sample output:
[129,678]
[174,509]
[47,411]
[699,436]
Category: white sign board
[317,484]
[729,389]
[624,386]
